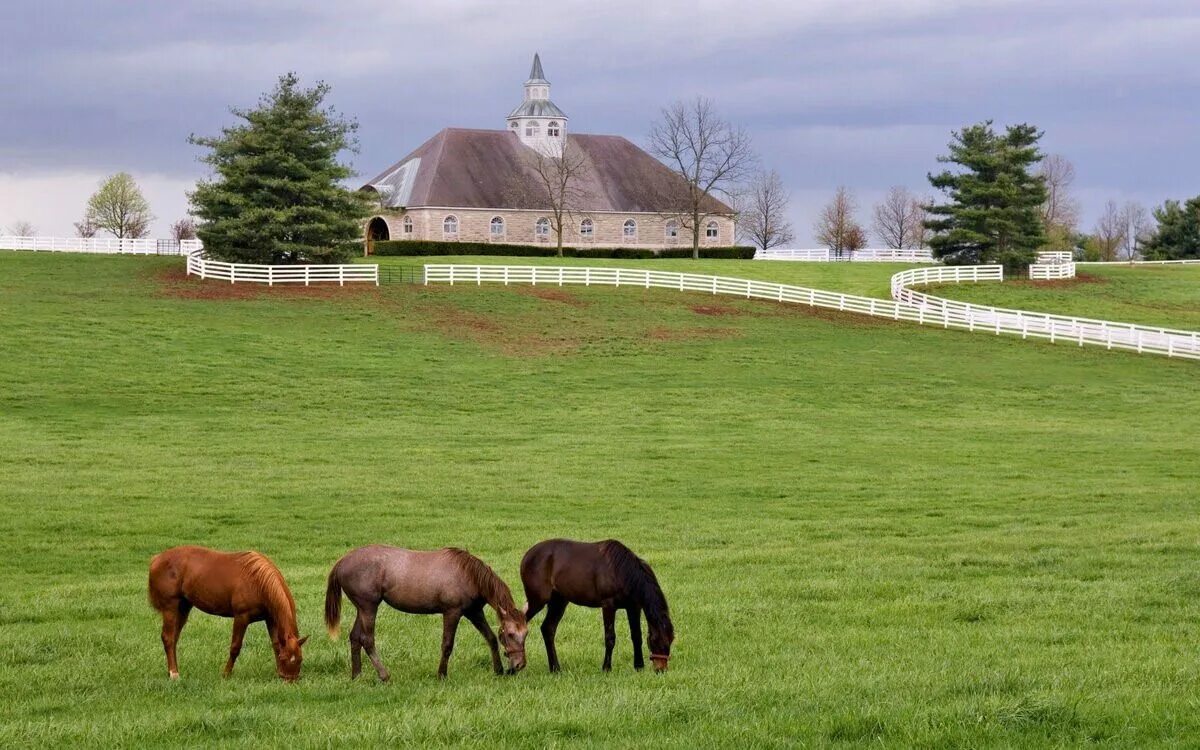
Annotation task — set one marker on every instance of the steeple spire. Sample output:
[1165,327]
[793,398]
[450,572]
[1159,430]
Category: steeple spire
[535,73]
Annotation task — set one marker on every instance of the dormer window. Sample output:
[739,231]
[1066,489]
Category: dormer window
[552,129]
[533,129]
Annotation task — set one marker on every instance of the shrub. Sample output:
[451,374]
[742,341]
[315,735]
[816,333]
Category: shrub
[429,247]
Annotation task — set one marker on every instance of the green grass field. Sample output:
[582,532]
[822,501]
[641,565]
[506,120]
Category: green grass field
[871,533]
[1166,296]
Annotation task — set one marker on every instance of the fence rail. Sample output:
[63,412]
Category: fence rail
[824,254]
[1026,324]
[907,304]
[105,245]
[1050,271]
[236,273]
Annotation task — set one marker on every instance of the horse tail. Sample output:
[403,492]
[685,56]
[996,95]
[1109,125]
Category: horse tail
[333,604]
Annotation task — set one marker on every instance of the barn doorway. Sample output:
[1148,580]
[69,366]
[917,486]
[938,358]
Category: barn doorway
[377,230]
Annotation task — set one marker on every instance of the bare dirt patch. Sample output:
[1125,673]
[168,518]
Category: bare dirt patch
[550,295]
[716,310]
[175,283]
[663,333]
[510,337]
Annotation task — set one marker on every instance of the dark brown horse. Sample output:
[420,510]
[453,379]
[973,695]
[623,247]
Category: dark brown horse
[558,572]
[243,585]
[449,581]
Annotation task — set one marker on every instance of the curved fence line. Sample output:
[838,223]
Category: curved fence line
[1109,334]
[907,304]
[236,273]
[1183,262]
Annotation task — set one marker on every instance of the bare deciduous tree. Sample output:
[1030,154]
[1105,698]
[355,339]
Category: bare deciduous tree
[184,229]
[22,228]
[1137,229]
[836,227]
[762,215]
[119,207]
[711,155]
[85,228]
[558,186]
[900,220]
[1060,211]
[1109,234]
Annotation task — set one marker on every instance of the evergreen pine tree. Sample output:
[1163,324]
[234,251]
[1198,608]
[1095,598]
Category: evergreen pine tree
[992,212]
[276,196]
[1178,234]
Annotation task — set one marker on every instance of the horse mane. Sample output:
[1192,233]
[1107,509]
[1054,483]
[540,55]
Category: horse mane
[490,586]
[637,578]
[269,581]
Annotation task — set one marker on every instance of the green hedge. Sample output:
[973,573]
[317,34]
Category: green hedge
[426,247]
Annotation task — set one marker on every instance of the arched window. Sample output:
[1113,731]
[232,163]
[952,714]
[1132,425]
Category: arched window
[514,124]
[586,229]
[711,230]
[450,225]
[408,225]
[497,227]
[552,129]
[629,229]
[532,128]
[672,229]
[541,229]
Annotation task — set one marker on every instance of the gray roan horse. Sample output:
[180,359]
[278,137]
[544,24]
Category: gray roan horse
[449,581]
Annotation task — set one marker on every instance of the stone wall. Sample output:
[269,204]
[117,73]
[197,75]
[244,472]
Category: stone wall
[474,225]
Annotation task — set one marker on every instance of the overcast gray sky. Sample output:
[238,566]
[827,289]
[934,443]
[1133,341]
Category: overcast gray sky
[862,94]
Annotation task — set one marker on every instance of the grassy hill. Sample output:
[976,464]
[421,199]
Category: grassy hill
[869,532]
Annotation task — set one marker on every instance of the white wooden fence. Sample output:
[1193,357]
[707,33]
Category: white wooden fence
[1048,257]
[824,254]
[106,245]
[1050,271]
[1026,324]
[237,273]
[907,304]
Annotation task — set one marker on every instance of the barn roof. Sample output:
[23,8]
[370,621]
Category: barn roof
[462,168]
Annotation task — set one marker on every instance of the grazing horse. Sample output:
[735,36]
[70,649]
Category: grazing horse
[243,585]
[558,572]
[449,581]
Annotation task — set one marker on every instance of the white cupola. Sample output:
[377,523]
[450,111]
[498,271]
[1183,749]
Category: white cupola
[538,122]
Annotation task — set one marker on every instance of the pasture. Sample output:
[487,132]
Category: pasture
[869,532]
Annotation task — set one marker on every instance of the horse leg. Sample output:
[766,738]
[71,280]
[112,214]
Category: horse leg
[356,637]
[366,637]
[534,602]
[240,623]
[554,613]
[449,628]
[610,636]
[479,620]
[174,617]
[635,634]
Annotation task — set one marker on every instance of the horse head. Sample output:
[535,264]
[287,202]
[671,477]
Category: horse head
[513,630]
[288,658]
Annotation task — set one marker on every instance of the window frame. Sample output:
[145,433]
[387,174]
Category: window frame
[537,226]
[492,224]
[446,232]
[590,234]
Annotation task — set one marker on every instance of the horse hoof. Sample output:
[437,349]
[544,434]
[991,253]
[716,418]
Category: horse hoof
[173,675]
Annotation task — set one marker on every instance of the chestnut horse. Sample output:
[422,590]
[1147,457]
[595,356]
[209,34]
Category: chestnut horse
[243,585]
[558,572]
[449,581]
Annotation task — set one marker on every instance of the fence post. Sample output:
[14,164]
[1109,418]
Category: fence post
[341,275]
[587,276]
[306,276]
[232,272]
[270,275]
[506,276]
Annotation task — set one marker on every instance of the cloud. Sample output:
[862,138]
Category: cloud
[833,91]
